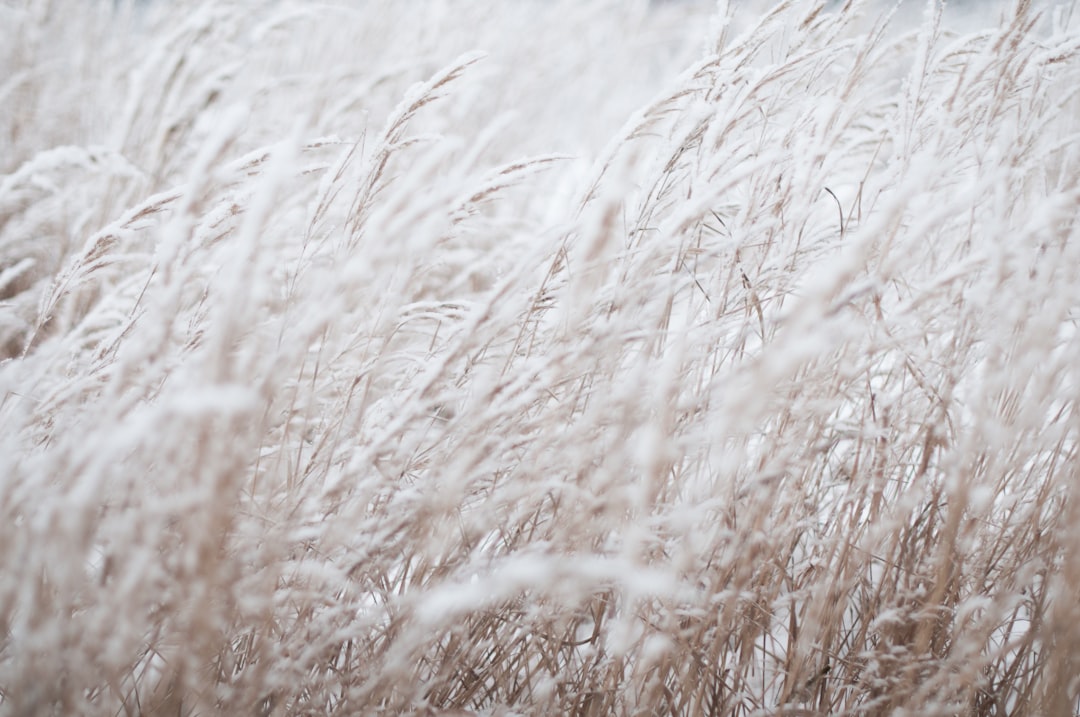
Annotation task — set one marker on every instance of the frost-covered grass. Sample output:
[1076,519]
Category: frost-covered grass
[539,357]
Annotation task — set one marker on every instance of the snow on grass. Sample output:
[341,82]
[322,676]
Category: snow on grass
[539,358]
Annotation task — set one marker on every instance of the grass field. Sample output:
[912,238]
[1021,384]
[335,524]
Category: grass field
[425,357]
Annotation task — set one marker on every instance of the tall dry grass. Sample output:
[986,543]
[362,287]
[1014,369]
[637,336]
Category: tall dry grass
[733,372]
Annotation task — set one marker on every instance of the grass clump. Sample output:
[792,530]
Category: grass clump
[538,358]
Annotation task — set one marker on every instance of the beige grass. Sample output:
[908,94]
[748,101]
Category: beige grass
[727,378]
